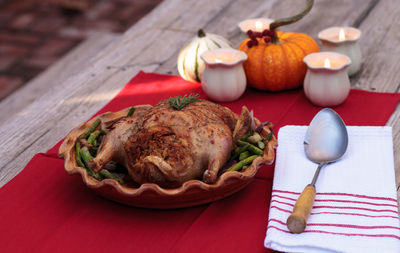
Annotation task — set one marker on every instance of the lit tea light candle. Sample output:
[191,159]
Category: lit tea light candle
[259,26]
[256,25]
[342,35]
[327,63]
[326,82]
[224,78]
[343,40]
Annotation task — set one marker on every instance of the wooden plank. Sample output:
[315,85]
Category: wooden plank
[69,65]
[380,50]
[380,72]
[151,45]
[142,47]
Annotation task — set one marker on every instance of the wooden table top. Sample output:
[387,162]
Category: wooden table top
[153,44]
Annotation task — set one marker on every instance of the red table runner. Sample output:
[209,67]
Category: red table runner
[45,210]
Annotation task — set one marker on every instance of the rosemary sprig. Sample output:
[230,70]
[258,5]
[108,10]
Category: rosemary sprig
[179,102]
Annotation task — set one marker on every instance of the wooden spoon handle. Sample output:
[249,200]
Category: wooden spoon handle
[297,221]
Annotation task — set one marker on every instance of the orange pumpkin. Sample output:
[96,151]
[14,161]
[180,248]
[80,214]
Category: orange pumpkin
[275,59]
[280,66]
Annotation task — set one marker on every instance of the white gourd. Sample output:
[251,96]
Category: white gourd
[190,65]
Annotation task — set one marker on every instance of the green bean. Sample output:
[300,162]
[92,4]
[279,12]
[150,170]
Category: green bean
[90,130]
[242,143]
[247,135]
[244,155]
[78,154]
[239,150]
[103,132]
[107,174]
[245,167]
[131,111]
[253,149]
[242,163]
[86,156]
[93,137]
[261,144]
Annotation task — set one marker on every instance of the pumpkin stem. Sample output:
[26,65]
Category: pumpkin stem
[289,20]
[201,33]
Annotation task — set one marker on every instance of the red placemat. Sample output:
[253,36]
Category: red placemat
[45,210]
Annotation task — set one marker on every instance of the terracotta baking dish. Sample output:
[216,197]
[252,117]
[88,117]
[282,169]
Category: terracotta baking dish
[149,195]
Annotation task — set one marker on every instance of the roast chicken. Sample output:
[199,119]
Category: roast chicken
[168,147]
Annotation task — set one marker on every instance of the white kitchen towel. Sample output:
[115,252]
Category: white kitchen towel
[355,208]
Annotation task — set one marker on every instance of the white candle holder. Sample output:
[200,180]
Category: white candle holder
[326,82]
[343,40]
[256,25]
[224,78]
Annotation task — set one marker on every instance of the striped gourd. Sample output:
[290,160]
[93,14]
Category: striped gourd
[190,65]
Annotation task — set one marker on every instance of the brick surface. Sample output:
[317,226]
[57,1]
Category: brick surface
[12,49]
[16,5]
[23,22]
[5,19]
[12,37]
[127,13]
[80,5]
[101,10]
[7,61]
[106,25]
[72,32]
[36,33]
[48,24]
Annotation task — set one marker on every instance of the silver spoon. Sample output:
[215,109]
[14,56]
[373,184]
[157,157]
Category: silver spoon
[325,141]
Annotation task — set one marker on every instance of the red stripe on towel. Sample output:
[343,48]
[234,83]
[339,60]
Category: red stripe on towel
[357,208]
[355,214]
[341,225]
[283,203]
[338,200]
[334,233]
[341,207]
[342,194]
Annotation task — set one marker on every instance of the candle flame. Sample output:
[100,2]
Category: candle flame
[327,63]
[342,35]
[259,25]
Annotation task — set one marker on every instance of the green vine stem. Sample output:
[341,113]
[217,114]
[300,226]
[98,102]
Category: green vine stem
[286,21]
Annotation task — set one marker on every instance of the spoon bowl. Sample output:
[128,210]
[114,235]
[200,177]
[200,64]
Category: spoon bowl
[325,141]
[326,138]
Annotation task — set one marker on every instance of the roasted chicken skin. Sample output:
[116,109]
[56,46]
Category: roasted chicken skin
[168,147]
